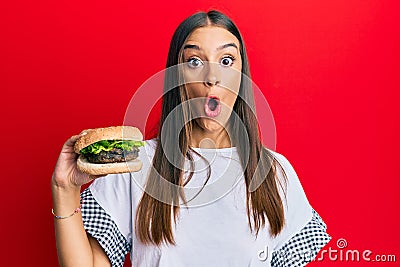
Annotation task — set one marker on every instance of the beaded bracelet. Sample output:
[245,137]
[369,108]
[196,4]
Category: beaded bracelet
[65,217]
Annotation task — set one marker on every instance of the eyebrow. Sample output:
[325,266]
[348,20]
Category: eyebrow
[196,47]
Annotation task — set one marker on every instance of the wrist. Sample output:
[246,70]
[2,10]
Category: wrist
[66,198]
[61,185]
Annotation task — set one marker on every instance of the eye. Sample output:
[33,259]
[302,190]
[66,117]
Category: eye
[227,61]
[194,62]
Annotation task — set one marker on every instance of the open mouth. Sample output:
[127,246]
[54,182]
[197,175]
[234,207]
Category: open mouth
[212,107]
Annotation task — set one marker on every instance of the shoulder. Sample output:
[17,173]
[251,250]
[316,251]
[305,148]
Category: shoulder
[287,168]
[281,159]
[150,145]
[295,189]
[146,152]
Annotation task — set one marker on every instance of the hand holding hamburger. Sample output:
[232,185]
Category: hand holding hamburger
[109,150]
[113,150]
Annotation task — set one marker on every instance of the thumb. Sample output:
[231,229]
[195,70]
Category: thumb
[93,177]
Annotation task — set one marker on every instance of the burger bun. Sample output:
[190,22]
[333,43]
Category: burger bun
[108,133]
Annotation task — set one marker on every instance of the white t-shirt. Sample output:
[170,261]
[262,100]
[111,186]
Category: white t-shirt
[213,230]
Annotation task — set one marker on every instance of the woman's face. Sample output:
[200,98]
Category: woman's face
[212,72]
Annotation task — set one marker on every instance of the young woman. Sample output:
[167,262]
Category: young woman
[209,193]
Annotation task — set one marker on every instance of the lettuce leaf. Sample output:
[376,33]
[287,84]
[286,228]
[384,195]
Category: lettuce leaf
[107,145]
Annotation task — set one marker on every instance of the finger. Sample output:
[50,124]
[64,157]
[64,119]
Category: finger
[71,141]
[85,131]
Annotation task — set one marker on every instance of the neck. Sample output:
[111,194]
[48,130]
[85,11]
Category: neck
[205,139]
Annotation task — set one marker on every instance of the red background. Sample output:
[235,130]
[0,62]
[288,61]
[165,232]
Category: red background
[329,70]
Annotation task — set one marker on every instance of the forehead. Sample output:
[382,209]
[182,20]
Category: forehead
[211,37]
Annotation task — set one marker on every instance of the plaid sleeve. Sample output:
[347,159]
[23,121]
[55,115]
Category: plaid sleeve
[304,246]
[101,226]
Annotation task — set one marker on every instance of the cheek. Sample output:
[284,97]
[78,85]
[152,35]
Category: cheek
[194,90]
[232,91]
[231,80]
[230,99]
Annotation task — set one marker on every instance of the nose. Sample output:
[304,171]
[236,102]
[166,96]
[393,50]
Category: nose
[212,76]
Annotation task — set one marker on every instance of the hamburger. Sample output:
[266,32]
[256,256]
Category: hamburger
[109,150]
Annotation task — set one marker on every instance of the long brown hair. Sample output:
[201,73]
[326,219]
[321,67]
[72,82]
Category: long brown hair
[155,218]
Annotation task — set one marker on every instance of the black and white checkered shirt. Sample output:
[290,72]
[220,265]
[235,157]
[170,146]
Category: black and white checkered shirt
[100,226]
[304,246]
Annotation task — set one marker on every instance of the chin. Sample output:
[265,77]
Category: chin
[211,125]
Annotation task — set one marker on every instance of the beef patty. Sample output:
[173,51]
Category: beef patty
[114,155]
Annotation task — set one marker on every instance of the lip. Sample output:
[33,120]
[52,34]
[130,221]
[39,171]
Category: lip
[213,108]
